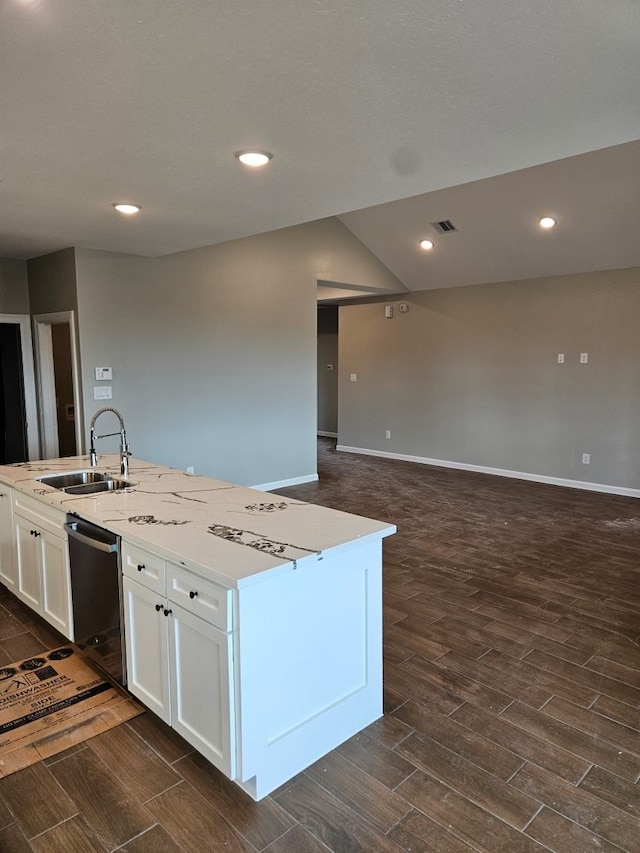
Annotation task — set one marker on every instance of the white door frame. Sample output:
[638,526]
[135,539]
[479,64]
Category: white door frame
[30,405]
[46,382]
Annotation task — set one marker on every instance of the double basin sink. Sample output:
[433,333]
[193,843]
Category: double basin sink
[84,482]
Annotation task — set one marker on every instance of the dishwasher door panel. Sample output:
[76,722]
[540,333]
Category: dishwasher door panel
[96,594]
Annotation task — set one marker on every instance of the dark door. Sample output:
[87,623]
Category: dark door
[13,422]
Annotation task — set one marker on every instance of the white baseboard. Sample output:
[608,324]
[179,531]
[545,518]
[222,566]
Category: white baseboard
[327,434]
[500,472]
[282,484]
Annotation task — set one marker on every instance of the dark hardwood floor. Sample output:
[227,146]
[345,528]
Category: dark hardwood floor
[512,695]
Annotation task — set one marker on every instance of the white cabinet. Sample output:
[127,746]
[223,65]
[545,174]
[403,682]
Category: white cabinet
[7,544]
[201,658]
[265,679]
[29,585]
[42,562]
[180,651]
[146,647]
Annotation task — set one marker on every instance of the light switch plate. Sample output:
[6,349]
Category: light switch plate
[102,392]
[103,373]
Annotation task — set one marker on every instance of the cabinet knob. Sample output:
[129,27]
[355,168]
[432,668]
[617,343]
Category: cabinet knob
[140,567]
[192,594]
[167,612]
[158,608]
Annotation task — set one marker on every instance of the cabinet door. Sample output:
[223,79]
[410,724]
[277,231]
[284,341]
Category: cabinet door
[201,676]
[56,594]
[28,587]
[145,627]
[8,573]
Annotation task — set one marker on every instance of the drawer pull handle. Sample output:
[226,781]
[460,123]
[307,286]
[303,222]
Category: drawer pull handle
[167,612]
[141,567]
[192,594]
[158,608]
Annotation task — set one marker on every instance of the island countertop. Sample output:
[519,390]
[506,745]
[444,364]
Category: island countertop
[230,533]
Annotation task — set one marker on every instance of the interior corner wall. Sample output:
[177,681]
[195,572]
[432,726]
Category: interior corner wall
[14,290]
[213,350]
[470,375]
[52,282]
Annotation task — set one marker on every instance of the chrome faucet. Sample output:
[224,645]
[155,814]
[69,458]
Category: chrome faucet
[125,453]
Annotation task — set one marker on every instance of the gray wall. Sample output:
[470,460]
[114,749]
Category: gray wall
[470,375]
[327,379]
[214,350]
[14,292]
[52,282]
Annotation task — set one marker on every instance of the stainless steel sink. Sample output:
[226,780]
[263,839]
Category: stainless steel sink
[72,478]
[113,484]
[84,482]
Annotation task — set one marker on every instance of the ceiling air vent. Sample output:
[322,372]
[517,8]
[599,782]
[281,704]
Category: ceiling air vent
[445,226]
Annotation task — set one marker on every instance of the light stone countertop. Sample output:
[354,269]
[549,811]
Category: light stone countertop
[228,533]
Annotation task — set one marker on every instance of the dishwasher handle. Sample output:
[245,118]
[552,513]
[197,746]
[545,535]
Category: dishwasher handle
[87,540]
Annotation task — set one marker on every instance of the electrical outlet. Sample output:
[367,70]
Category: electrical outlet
[404,307]
[584,358]
[560,358]
[354,377]
[387,434]
[102,392]
[586,459]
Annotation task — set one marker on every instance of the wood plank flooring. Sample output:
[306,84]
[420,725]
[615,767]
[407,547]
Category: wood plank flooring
[512,696]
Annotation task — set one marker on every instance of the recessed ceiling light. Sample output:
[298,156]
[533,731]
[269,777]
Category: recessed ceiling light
[254,158]
[546,222]
[127,208]
[426,244]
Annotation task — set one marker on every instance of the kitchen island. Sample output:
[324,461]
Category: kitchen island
[252,621]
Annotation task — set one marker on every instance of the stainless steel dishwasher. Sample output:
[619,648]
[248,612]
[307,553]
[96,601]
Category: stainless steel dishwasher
[94,557]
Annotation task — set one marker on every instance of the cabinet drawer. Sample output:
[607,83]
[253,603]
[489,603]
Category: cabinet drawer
[144,567]
[203,598]
[40,514]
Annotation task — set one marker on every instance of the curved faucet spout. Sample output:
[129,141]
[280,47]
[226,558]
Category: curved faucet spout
[124,447]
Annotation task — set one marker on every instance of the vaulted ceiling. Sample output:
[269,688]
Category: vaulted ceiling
[390,113]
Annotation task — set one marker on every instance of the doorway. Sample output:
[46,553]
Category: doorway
[18,420]
[328,370]
[58,385]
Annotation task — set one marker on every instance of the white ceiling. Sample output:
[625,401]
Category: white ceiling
[595,199]
[361,103]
